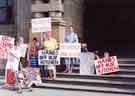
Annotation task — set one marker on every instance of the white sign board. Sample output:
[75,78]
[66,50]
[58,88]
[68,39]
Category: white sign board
[46,57]
[23,49]
[6,44]
[41,25]
[106,65]
[70,50]
[87,63]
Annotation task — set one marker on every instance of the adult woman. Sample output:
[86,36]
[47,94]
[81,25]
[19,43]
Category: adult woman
[33,53]
[70,37]
[12,66]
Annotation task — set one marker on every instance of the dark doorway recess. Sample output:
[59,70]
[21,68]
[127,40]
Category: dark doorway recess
[110,25]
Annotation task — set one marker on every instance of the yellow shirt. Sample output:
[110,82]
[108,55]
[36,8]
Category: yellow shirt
[51,44]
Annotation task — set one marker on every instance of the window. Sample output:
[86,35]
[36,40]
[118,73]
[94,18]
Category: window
[46,14]
[6,11]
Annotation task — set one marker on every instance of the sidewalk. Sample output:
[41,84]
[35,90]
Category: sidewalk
[50,92]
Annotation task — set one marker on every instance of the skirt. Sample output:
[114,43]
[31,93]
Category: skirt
[71,61]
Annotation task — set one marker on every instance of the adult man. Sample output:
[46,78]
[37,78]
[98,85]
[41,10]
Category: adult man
[50,43]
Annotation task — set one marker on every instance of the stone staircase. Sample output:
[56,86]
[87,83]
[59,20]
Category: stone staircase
[122,82]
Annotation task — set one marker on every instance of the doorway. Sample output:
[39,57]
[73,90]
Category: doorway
[109,25]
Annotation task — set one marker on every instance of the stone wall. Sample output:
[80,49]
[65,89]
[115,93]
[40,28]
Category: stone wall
[73,12]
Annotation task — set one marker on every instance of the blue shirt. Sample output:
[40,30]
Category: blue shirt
[71,37]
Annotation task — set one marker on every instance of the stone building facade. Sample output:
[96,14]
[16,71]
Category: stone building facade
[15,17]
[63,12]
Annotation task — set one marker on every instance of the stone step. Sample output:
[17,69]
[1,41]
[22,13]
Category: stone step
[129,78]
[93,82]
[86,88]
[126,59]
[126,62]
[127,66]
[124,72]
[124,69]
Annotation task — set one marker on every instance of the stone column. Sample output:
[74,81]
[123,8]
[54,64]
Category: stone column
[58,24]
[23,17]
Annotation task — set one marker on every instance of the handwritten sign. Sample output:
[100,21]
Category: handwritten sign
[6,44]
[106,65]
[70,49]
[41,25]
[47,57]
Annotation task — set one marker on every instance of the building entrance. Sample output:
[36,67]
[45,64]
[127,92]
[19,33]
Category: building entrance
[110,25]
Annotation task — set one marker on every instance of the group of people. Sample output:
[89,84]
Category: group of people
[30,60]
[50,43]
[106,54]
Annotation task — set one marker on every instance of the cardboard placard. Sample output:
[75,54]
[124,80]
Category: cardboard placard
[70,50]
[6,44]
[46,57]
[106,65]
[41,25]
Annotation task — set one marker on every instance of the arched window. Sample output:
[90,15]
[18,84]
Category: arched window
[6,10]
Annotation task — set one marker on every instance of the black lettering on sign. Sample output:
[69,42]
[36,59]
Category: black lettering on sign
[49,57]
[54,57]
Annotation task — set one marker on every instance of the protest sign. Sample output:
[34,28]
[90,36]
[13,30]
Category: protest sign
[6,44]
[70,50]
[106,65]
[46,57]
[23,49]
[41,25]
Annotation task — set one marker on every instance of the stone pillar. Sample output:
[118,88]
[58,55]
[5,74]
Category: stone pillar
[23,17]
[58,30]
[58,24]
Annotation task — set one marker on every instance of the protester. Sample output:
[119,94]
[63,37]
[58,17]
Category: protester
[33,77]
[106,54]
[97,56]
[50,43]
[12,66]
[33,53]
[70,37]
[43,69]
[21,40]
[84,47]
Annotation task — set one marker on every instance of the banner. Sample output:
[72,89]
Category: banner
[41,25]
[70,50]
[6,44]
[106,65]
[46,57]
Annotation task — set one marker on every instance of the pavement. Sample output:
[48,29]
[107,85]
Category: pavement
[52,92]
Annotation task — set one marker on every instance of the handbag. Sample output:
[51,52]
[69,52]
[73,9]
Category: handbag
[10,76]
